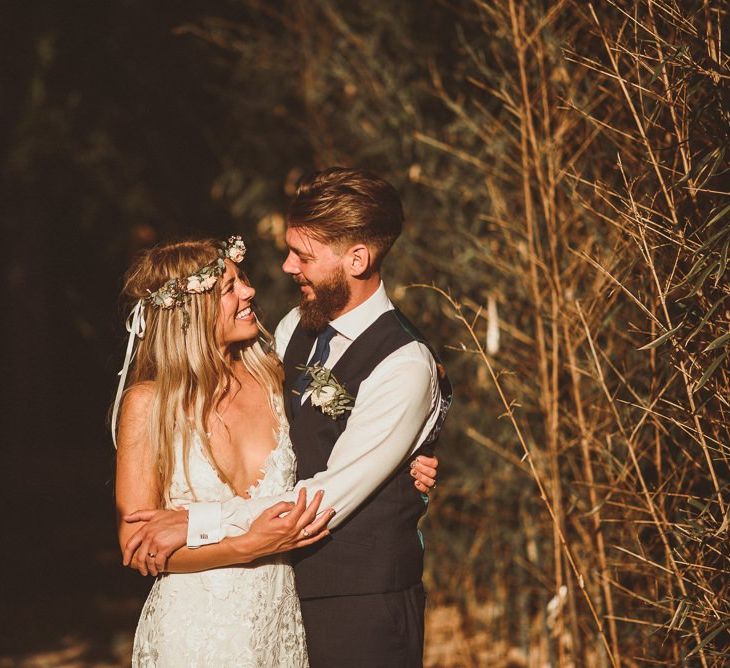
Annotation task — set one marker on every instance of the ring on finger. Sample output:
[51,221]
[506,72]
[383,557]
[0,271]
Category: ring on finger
[306,533]
[152,555]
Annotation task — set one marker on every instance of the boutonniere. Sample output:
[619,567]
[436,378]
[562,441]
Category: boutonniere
[328,394]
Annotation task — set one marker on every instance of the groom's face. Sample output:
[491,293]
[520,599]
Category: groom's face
[318,270]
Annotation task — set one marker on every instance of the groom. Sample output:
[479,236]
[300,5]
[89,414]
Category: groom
[353,429]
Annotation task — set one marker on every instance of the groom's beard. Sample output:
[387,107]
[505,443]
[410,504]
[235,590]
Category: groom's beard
[330,297]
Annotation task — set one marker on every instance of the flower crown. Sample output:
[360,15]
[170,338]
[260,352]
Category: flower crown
[176,292]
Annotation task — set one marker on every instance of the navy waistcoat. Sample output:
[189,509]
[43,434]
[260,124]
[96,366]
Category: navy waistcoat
[378,548]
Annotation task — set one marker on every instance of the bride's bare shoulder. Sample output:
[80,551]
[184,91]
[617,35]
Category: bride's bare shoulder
[136,407]
[139,396]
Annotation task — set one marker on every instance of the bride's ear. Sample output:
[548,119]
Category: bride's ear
[359,261]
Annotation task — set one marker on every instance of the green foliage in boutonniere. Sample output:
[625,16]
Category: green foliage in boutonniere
[327,393]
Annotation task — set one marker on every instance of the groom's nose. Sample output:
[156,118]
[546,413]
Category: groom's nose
[291,264]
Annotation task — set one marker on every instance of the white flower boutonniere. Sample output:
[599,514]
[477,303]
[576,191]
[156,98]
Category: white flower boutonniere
[327,393]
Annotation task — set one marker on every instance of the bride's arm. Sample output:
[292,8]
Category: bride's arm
[269,534]
[137,482]
[282,527]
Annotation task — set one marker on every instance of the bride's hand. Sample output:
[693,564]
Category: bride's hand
[163,532]
[286,526]
[424,470]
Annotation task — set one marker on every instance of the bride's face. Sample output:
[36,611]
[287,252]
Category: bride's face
[236,319]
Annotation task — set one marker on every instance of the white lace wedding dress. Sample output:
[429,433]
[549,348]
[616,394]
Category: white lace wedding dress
[241,616]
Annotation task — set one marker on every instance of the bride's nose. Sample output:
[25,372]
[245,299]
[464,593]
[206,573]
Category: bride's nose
[245,292]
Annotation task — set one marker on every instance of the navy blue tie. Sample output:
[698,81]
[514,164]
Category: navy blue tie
[321,353]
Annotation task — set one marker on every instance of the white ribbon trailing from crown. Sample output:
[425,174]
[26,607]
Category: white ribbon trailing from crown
[135,326]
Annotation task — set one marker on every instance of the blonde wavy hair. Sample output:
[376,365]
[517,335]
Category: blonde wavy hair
[190,374]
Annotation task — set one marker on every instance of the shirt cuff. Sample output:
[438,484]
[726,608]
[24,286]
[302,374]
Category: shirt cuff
[204,524]
[236,518]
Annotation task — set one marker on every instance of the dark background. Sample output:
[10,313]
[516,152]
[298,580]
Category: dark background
[111,133]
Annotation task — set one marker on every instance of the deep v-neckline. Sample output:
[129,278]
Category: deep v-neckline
[278,428]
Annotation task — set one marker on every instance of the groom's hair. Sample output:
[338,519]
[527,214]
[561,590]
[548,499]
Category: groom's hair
[340,206]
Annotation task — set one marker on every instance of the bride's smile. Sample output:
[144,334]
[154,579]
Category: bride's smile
[236,319]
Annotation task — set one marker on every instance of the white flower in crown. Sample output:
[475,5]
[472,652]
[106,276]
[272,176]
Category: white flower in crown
[208,283]
[176,292]
[235,249]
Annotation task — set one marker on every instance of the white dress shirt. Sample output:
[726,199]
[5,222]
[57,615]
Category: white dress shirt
[396,407]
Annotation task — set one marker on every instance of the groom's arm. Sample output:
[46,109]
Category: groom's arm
[395,410]
[380,433]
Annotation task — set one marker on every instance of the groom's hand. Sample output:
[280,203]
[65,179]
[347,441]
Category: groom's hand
[163,532]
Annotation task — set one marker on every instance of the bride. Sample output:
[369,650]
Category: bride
[202,420]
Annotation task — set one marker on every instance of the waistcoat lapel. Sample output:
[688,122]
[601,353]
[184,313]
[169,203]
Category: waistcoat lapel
[296,354]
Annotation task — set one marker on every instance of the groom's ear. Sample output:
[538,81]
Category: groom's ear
[359,260]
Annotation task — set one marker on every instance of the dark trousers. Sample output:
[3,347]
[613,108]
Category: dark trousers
[369,630]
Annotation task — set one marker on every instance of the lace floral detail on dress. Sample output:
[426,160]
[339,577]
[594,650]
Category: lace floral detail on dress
[245,616]
[279,469]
